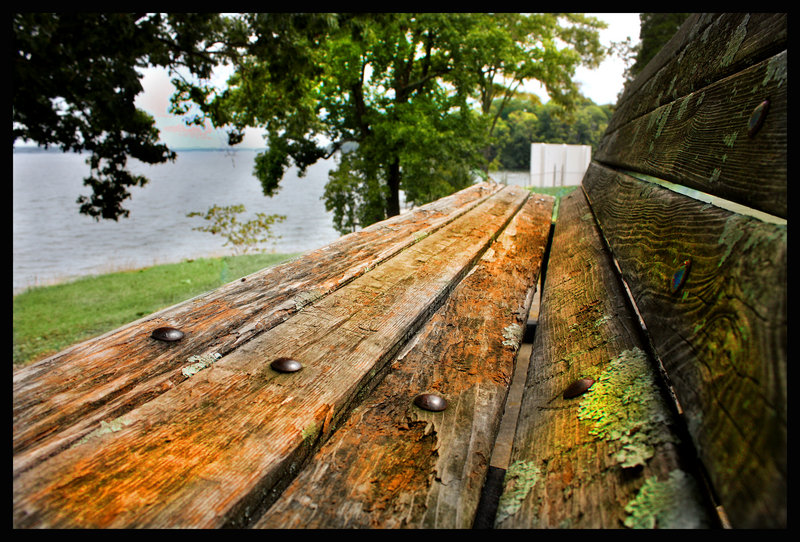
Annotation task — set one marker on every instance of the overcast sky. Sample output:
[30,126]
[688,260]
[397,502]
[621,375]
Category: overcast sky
[601,85]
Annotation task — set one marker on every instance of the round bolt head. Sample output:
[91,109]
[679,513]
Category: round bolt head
[578,387]
[168,334]
[679,277]
[757,118]
[430,401]
[286,365]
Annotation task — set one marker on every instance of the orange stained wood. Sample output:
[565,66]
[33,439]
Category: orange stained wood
[392,464]
[62,399]
[209,451]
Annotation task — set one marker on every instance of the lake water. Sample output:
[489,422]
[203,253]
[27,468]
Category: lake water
[53,242]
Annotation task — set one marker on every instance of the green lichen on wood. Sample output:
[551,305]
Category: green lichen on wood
[309,433]
[730,139]
[776,71]
[198,363]
[682,108]
[736,228]
[735,42]
[520,479]
[625,406]
[306,298]
[662,119]
[105,427]
[668,504]
[513,335]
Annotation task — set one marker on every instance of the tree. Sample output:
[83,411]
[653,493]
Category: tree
[526,121]
[404,99]
[242,236]
[75,79]
[402,96]
[655,31]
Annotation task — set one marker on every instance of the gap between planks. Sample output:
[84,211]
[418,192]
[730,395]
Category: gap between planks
[501,455]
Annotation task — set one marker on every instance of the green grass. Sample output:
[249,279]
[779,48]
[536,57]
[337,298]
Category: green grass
[556,191]
[48,319]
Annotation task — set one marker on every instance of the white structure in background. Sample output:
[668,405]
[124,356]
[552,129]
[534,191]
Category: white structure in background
[557,164]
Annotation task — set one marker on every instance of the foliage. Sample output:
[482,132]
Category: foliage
[243,236]
[405,97]
[75,79]
[526,121]
[655,31]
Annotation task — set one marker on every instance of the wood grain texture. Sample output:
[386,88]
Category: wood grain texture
[60,400]
[721,337]
[608,458]
[393,465]
[217,448]
[701,139]
[707,48]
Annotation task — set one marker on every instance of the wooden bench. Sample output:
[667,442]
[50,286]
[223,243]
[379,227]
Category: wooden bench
[663,291]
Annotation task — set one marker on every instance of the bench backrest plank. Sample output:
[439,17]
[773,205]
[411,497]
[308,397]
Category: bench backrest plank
[718,325]
[60,400]
[212,451]
[707,48]
[392,464]
[701,139]
[594,460]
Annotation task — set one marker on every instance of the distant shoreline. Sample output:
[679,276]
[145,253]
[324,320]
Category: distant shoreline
[36,150]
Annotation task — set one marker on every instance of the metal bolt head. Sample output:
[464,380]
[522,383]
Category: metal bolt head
[286,365]
[679,277]
[757,118]
[430,401]
[578,387]
[167,334]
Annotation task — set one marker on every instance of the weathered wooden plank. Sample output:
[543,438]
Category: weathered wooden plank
[701,140]
[60,400]
[212,451]
[393,465]
[721,334]
[611,457]
[706,49]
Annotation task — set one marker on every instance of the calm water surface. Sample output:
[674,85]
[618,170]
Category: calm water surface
[53,242]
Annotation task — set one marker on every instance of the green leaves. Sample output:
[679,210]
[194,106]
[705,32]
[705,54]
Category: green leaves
[75,81]
[242,236]
[409,95]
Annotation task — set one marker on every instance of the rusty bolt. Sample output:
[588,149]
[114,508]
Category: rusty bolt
[757,118]
[430,401]
[168,334]
[578,387]
[286,365]
[679,277]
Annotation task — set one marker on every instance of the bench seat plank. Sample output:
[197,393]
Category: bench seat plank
[212,451]
[701,140]
[60,400]
[594,460]
[394,465]
[721,335]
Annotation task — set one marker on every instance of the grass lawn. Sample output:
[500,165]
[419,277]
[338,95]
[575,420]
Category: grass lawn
[557,191]
[48,319]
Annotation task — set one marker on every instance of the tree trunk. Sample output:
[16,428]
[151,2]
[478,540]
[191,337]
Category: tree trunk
[393,180]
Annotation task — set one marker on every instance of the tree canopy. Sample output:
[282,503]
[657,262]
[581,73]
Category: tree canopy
[406,98]
[655,31]
[74,84]
[525,119]
[407,102]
